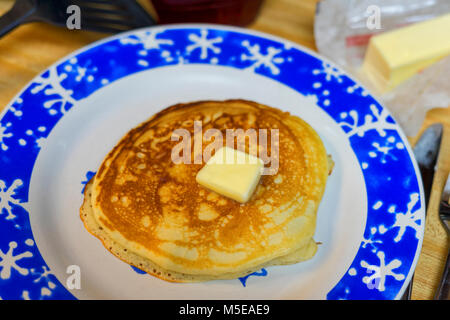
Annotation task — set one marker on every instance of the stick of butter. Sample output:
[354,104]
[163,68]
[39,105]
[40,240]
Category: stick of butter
[231,173]
[394,56]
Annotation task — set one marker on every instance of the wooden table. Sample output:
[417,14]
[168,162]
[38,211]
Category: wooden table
[30,49]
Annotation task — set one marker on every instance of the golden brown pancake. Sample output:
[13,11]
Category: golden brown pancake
[151,213]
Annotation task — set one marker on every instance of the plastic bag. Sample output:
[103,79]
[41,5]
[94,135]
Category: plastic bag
[343,29]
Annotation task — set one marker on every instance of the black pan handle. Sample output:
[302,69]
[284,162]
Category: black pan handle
[19,14]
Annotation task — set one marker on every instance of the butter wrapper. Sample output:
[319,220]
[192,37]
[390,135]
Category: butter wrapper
[342,33]
[411,100]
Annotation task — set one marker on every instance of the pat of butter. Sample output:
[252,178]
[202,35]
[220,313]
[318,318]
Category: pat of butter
[394,56]
[231,173]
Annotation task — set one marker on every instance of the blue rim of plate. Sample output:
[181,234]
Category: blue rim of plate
[393,234]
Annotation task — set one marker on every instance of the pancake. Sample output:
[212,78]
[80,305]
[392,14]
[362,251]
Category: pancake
[151,213]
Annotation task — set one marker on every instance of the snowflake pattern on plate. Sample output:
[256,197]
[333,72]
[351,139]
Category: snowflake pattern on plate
[203,43]
[395,213]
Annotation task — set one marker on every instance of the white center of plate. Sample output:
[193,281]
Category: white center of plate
[83,137]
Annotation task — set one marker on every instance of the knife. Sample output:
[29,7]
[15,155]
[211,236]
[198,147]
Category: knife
[426,153]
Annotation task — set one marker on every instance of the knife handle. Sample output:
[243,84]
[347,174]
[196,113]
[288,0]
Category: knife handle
[443,292]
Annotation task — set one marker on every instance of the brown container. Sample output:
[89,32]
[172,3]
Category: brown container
[233,12]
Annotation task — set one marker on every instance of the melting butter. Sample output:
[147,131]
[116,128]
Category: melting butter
[231,173]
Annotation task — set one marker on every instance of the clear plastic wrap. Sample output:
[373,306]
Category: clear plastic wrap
[343,30]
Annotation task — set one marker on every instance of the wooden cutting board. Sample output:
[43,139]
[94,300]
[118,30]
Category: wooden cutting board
[32,48]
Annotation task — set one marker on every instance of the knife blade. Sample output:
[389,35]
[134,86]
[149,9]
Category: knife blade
[426,151]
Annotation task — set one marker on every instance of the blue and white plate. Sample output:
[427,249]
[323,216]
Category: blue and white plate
[55,133]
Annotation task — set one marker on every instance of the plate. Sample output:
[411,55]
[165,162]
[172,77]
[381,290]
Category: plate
[56,132]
